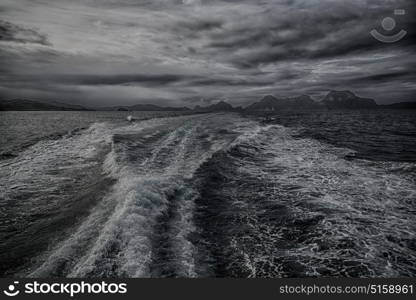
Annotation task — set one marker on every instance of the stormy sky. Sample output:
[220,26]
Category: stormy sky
[189,52]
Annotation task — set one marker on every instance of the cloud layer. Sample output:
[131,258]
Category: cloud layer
[194,51]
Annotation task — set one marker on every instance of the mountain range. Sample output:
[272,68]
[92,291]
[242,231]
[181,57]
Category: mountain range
[271,103]
[333,100]
[143,107]
[25,104]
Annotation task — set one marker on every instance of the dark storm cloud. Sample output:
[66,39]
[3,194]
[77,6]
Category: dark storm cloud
[149,80]
[387,76]
[120,79]
[14,33]
[312,34]
[200,50]
[287,30]
[228,82]
[199,25]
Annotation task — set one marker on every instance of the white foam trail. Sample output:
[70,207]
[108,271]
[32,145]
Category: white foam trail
[359,199]
[116,239]
[46,166]
[142,197]
[364,202]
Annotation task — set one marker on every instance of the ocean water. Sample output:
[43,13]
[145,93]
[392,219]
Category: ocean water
[87,194]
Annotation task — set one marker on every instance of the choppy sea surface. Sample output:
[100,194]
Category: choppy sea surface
[88,194]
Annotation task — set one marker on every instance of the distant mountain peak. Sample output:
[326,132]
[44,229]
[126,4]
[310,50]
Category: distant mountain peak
[269,98]
[347,100]
[271,103]
[304,97]
[333,100]
[341,94]
[219,106]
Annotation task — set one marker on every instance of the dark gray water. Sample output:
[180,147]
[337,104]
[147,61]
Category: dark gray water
[20,129]
[209,195]
[385,135]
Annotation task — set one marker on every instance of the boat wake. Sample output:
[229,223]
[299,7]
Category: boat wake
[204,195]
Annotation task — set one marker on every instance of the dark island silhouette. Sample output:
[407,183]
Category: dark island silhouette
[25,104]
[333,100]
